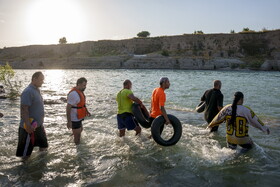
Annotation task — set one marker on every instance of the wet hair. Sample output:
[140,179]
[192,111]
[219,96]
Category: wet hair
[126,82]
[36,75]
[237,97]
[81,80]
[162,80]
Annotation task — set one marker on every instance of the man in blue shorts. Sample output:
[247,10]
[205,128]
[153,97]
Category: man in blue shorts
[31,130]
[125,117]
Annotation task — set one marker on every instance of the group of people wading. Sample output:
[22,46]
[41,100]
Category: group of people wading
[32,133]
[236,116]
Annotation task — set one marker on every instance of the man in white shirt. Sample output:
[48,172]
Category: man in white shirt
[76,109]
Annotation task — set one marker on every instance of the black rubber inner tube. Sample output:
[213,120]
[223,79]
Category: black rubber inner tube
[200,107]
[141,115]
[159,122]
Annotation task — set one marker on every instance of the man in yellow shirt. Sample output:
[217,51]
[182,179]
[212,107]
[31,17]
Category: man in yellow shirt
[125,117]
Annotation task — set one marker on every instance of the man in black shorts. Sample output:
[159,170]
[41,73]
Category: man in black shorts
[76,109]
[31,131]
[213,103]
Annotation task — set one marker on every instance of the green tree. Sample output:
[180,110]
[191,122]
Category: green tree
[246,29]
[165,53]
[6,75]
[198,32]
[62,40]
[232,31]
[264,29]
[143,34]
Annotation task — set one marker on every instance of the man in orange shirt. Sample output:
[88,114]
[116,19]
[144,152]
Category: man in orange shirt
[158,101]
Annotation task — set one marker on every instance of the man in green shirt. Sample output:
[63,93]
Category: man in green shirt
[125,117]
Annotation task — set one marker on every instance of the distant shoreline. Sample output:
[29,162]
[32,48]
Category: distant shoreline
[254,51]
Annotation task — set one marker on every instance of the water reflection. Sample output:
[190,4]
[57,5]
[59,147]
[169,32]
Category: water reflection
[53,79]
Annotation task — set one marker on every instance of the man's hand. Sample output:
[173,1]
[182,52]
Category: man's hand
[164,115]
[142,106]
[69,124]
[29,129]
[167,122]
[88,114]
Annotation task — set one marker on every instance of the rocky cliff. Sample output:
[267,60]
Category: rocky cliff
[254,50]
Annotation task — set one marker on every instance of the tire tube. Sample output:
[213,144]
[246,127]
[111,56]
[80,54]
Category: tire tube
[159,122]
[141,115]
[200,107]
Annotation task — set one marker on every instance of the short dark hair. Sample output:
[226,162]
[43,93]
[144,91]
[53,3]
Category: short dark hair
[126,82]
[163,80]
[217,83]
[36,75]
[81,80]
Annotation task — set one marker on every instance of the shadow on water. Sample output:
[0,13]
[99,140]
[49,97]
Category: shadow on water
[28,172]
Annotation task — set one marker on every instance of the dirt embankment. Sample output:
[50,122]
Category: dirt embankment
[259,51]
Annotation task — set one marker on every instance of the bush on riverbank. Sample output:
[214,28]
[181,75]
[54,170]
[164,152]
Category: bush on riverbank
[6,75]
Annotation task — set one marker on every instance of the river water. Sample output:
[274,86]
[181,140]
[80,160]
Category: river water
[104,159]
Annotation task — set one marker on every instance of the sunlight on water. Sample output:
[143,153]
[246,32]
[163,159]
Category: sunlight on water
[54,79]
[105,159]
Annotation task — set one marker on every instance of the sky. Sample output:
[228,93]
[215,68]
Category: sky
[32,22]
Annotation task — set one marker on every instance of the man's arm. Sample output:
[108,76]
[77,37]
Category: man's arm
[203,98]
[164,115]
[135,99]
[88,113]
[24,112]
[220,102]
[68,115]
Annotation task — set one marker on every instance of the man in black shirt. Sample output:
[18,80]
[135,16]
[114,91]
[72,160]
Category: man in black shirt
[213,103]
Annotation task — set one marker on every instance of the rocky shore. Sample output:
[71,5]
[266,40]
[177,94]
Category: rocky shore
[257,51]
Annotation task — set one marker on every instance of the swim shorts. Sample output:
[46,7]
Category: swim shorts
[126,121]
[76,124]
[25,141]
